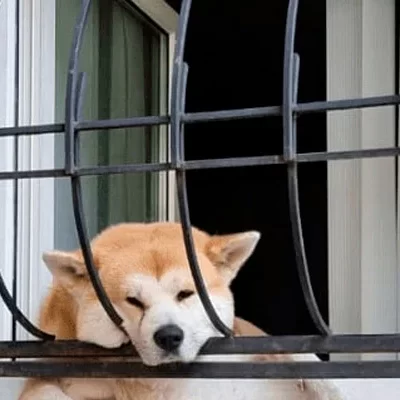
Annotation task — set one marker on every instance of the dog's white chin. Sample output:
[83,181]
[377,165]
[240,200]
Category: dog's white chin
[154,360]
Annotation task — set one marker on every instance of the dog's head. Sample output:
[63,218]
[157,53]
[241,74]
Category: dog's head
[145,272]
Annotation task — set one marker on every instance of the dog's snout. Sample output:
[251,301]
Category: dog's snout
[169,337]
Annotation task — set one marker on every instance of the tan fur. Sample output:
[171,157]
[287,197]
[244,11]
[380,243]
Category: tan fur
[151,250]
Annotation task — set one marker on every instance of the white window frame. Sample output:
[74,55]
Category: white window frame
[36,106]
[363,263]
[7,118]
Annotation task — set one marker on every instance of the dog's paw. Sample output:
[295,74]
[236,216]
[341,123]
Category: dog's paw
[53,396]
[47,392]
[96,327]
[113,341]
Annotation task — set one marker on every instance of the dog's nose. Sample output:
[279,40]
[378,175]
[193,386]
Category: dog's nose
[169,337]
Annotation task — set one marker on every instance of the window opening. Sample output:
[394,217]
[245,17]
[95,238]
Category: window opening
[290,110]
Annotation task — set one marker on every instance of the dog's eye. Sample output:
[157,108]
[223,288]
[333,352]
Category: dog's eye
[135,302]
[184,294]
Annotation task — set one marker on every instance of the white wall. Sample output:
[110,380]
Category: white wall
[363,269]
[8,387]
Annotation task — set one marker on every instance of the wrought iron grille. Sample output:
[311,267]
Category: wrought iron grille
[326,342]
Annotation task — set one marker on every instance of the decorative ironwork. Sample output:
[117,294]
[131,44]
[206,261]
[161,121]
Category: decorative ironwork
[289,111]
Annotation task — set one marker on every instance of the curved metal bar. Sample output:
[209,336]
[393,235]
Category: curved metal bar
[79,219]
[18,314]
[74,102]
[179,81]
[290,88]
[301,259]
[87,254]
[194,266]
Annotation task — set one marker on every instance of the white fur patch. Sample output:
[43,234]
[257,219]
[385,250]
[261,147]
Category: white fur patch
[94,326]
[163,309]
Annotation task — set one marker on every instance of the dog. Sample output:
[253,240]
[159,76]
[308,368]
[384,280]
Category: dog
[145,273]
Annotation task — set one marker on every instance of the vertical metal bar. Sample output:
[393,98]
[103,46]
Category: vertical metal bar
[70,101]
[179,81]
[74,103]
[8,298]
[184,77]
[81,88]
[288,73]
[397,113]
[290,90]
[16,163]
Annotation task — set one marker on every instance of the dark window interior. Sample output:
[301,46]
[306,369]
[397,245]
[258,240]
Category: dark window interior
[235,56]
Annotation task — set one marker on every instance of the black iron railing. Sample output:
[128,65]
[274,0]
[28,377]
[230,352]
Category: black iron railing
[289,111]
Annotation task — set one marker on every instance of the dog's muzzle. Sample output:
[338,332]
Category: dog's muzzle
[169,338]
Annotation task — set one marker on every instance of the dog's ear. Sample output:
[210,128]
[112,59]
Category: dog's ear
[66,267]
[229,252]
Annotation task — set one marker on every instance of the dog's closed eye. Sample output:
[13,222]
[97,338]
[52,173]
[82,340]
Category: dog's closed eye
[135,302]
[184,294]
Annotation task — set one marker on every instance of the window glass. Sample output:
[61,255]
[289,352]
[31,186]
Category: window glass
[123,56]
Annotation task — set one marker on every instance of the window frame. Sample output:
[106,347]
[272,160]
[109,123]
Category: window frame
[36,95]
[363,261]
[8,41]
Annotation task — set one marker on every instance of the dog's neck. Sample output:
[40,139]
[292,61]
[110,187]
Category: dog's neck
[58,314]
[145,389]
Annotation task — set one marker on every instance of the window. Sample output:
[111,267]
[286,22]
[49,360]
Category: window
[126,58]
[31,88]
[348,207]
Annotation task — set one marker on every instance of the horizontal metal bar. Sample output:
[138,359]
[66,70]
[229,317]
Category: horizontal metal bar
[301,157]
[205,164]
[245,113]
[42,173]
[122,123]
[226,370]
[348,104]
[124,168]
[300,108]
[226,115]
[348,154]
[239,345]
[233,162]
[86,171]
[206,116]
[32,130]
